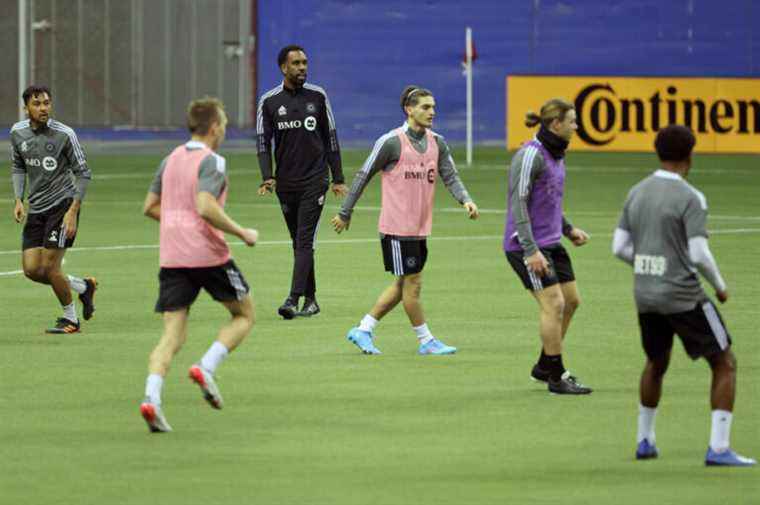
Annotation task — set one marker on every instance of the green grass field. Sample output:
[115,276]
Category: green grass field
[309,420]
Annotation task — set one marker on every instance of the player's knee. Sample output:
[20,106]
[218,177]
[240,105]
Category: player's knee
[554,305]
[572,304]
[658,367]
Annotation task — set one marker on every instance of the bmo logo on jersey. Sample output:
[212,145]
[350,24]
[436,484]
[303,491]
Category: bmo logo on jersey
[49,163]
[310,123]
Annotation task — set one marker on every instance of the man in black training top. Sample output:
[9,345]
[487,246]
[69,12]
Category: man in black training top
[299,118]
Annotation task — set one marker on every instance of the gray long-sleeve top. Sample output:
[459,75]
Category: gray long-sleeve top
[386,154]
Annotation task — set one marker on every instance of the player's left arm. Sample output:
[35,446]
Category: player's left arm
[577,236]
[451,179]
[82,174]
[695,223]
[329,135]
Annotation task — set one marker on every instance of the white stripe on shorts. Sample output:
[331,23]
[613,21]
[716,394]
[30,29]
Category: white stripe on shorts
[536,281]
[62,236]
[719,331]
[398,262]
[236,282]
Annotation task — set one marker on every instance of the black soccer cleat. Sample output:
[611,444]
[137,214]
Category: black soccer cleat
[288,310]
[538,374]
[568,385]
[310,308]
[63,325]
[88,298]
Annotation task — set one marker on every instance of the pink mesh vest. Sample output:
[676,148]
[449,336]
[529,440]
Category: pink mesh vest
[187,241]
[409,189]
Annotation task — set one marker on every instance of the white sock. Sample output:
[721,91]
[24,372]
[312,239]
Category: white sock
[646,424]
[153,385]
[423,333]
[70,312]
[214,356]
[77,284]
[721,430]
[368,323]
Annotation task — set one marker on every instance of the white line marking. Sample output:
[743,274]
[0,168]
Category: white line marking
[338,241]
[12,272]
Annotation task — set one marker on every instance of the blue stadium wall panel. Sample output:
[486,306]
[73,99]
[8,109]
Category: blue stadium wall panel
[364,52]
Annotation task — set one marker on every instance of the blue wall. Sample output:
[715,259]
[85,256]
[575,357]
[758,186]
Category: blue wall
[364,52]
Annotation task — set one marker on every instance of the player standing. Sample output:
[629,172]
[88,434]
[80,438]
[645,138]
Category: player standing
[187,197]
[662,233]
[47,154]
[410,158]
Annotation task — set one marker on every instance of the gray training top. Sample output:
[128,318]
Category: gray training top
[385,156]
[52,159]
[662,213]
[211,178]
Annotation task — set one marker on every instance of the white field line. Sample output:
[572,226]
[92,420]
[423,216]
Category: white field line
[370,208]
[339,241]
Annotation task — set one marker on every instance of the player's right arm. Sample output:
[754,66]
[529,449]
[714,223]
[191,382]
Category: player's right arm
[264,133]
[18,176]
[386,151]
[152,204]
[527,166]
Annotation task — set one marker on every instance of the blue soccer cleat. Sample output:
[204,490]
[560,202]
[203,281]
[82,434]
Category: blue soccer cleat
[645,450]
[363,340]
[727,458]
[436,347]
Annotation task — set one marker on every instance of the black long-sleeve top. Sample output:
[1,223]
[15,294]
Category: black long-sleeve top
[302,125]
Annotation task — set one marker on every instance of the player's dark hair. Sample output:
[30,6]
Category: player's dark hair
[556,108]
[674,143]
[203,113]
[33,91]
[282,56]
[412,94]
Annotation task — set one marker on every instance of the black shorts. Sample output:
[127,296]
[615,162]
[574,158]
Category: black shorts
[179,287]
[45,229]
[560,268]
[403,257]
[701,330]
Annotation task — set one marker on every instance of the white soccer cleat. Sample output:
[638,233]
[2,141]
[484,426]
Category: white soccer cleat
[153,415]
[207,384]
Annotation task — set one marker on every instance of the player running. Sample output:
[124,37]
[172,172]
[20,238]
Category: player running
[47,154]
[187,197]
[410,158]
[662,233]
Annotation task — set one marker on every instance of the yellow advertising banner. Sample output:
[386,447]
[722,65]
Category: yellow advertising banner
[625,113]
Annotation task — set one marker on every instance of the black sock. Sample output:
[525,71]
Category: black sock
[543,361]
[556,368]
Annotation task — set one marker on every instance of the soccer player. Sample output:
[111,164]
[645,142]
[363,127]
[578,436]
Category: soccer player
[410,159]
[299,118]
[662,233]
[187,197]
[535,226]
[47,153]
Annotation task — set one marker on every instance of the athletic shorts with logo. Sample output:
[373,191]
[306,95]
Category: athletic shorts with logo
[560,268]
[45,229]
[701,331]
[179,287]
[403,257]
